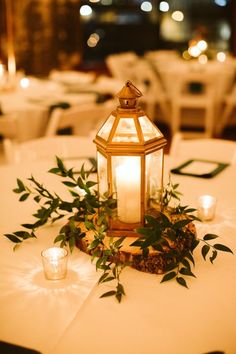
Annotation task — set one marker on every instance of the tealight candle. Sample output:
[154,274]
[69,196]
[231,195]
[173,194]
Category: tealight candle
[206,207]
[54,262]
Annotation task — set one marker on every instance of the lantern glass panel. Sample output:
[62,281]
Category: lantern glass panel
[126,131]
[154,162]
[102,173]
[148,129]
[126,172]
[106,128]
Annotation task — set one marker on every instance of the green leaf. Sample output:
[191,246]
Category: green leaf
[24,197]
[169,276]
[54,170]
[90,184]
[181,223]
[108,293]
[21,185]
[108,279]
[145,252]
[13,238]
[119,297]
[59,238]
[89,225]
[60,164]
[213,257]
[72,243]
[80,183]
[195,243]
[120,288]
[186,263]
[28,226]
[82,171]
[208,237]
[118,243]
[171,266]
[223,248]
[69,184]
[190,257]
[190,210]
[94,244]
[205,250]
[17,190]
[23,234]
[181,281]
[103,277]
[37,198]
[186,271]
[165,219]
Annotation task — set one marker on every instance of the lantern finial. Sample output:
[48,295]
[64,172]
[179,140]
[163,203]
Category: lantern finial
[128,95]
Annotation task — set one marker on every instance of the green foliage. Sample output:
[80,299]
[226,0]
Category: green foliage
[161,232]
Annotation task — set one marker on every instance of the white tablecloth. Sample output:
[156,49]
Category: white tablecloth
[69,317]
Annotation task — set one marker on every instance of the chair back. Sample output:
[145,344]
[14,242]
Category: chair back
[121,65]
[83,119]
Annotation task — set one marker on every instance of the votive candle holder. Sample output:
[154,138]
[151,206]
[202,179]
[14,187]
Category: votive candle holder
[206,207]
[54,261]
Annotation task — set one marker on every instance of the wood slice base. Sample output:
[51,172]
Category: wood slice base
[156,262]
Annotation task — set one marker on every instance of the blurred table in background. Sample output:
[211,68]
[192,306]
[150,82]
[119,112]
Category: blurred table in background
[32,101]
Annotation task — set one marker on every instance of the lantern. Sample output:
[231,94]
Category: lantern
[130,163]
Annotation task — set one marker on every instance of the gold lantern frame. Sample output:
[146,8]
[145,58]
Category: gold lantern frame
[128,133]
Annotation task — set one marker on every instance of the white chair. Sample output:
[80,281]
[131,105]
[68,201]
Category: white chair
[183,98]
[65,147]
[83,119]
[120,65]
[212,149]
[129,66]
[154,94]
[229,105]
[162,58]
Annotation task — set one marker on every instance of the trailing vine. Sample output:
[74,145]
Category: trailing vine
[87,211]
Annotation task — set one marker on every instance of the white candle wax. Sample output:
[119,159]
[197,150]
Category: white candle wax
[206,207]
[55,263]
[128,178]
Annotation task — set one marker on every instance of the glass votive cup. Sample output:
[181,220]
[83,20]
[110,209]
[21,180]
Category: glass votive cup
[54,261]
[206,207]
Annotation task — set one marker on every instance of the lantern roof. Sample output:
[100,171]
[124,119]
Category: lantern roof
[128,126]
[128,95]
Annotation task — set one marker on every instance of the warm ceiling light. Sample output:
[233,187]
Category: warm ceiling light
[85,10]
[186,55]
[220,56]
[177,16]
[202,59]
[146,6]
[164,6]
[194,51]
[24,82]
[202,45]
[221,2]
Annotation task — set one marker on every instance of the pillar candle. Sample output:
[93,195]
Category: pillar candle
[128,184]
